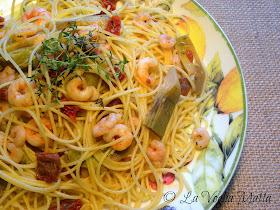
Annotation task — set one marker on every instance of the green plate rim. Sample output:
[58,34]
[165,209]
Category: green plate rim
[245,107]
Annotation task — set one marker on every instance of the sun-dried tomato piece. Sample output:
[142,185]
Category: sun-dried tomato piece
[4,94]
[107,3]
[68,176]
[2,21]
[185,86]
[121,75]
[48,166]
[168,178]
[114,102]
[70,110]
[68,204]
[114,25]
[188,162]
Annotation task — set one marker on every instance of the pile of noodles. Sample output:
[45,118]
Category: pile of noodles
[100,176]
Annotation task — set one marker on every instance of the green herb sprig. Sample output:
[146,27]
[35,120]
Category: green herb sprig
[99,101]
[62,56]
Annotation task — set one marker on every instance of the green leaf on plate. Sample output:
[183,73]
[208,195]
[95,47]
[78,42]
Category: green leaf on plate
[209,86]
[193,8]
[207,173]
[232,135]
[155,3]
[214,70]
[215,77]
[165,6]
[208,107]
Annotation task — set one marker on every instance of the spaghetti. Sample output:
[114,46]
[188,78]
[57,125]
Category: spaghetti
[76,88]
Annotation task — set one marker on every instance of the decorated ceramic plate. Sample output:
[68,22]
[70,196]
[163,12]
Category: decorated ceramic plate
[225,113]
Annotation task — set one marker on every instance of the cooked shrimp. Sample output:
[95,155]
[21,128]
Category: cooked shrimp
[7,75]
[201,137]
[143,70]
[177,61]
[135,123]
[119,131]
[105,124]
[2,34]
[156,152]
[78,90]
[95,94]
[34,13]
[19,94]
[106,46]
[4,105]
[166,41]
[16,153]
[22,34]
[19,135]
[143,19]
[33,137]
[98,49]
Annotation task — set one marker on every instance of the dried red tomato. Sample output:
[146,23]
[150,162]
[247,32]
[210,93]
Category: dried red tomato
[70,110]
[68,176]
[114,25]
[121,75]
[35,61]
[114,1]
[188,162]
[185,86]
[68,204]
[48,166]
[2,21]
[4,94]
[114,102]
[107,3]
[189,54]
[168,178]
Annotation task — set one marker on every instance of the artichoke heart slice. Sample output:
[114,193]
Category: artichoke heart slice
[183,45]
[164,104]
[76,155]
[22,58]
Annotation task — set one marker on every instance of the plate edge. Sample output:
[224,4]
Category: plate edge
[245,105]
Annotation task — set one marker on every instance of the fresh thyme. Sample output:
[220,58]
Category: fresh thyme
[62,56]
[99,101]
